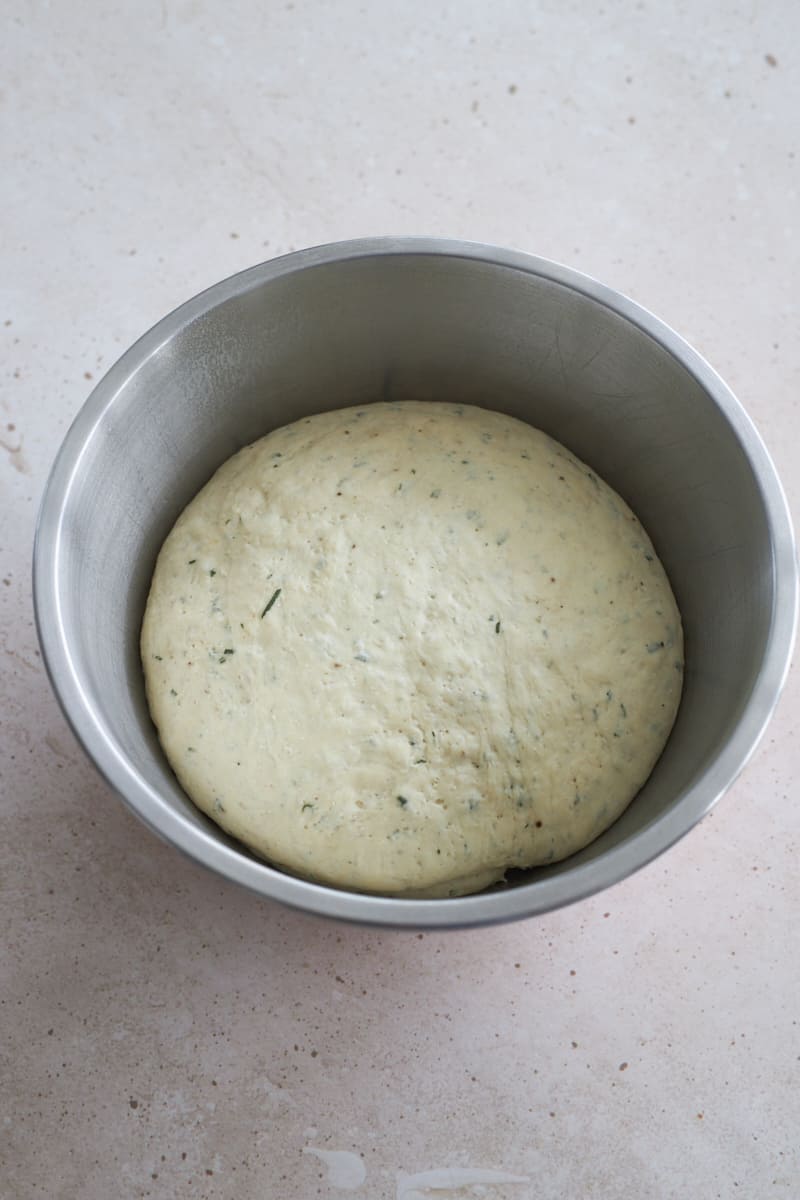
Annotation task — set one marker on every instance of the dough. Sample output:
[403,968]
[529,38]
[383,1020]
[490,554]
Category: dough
[405,647]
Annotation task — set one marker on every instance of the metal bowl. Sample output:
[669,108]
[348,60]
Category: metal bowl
[421,319]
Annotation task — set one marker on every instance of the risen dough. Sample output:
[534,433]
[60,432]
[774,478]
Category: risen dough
[406,647]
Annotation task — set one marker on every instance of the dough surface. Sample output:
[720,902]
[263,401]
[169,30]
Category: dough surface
[405,647]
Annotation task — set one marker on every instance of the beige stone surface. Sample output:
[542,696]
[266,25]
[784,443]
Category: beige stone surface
[165,1034]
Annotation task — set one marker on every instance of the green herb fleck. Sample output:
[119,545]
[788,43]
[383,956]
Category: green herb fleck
[212,572]
[307,806]
[623,710]
[270,602]
[192,561]
[191,750]
[401,800]
[436,493]
[497,627]
[158,658]
[172,692]
[654,647]
[228,651]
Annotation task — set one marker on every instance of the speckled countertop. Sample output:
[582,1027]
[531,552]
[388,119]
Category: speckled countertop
[165,1034]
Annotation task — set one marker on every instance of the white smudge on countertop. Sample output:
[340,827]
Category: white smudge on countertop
[414,1187]
[346,1170]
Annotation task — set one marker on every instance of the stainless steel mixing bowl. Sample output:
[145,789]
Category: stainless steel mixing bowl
[422,319]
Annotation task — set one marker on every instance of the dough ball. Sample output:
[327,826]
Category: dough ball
[405,647]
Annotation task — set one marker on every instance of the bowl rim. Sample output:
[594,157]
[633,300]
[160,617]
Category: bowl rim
[524,900]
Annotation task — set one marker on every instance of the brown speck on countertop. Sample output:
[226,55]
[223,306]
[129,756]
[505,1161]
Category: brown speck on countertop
[770,60]
[7,322]
[16,457]
[234,235]
[133,1103]
[631,120]
[88,375]
[699,1116]
[512,89]
[623,1066]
